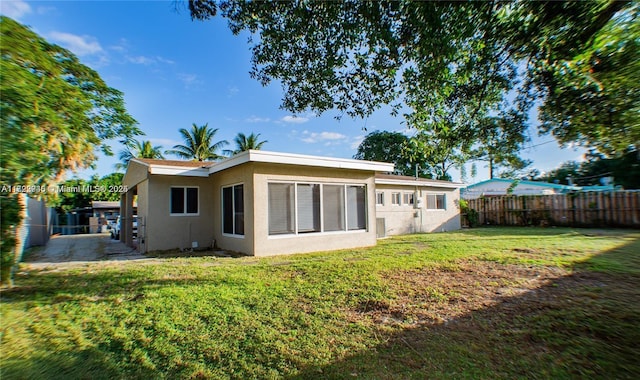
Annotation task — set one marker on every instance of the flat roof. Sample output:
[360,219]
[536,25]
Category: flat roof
[205,168]
[176,167]
[401,180]
[105,204]
[300,160]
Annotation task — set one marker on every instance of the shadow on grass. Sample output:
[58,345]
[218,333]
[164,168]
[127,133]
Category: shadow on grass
[90,363]
[583,325]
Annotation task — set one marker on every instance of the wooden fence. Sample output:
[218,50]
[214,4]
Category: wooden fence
[589,209]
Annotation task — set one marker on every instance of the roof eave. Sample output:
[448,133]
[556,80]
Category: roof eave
[300,160]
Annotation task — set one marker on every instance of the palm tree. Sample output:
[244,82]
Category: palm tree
[138,149]
[198,144]
[244,143]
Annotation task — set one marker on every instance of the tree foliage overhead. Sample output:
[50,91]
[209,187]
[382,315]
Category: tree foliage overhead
[393,147]
[450,63]
[199,145]
[55,111]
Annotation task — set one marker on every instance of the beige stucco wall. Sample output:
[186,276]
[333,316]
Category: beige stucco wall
[165,231]
[142,191]
[242,174]
[406,219]
[135,174]
[265,245]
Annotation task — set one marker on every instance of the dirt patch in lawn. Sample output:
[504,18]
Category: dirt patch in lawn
[514,320]
[435,295]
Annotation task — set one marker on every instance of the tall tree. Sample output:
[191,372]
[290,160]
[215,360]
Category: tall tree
[500,140]
[443,58]
[244,143]
[393,147]
[624,170]
[199,145]
[440,148]
[586,67]
[109,187]
[138,149]
[54,112]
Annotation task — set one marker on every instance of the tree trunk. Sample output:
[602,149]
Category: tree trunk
[21,234]
[490,167]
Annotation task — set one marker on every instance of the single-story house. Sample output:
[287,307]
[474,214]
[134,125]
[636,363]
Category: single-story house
[266,203]
[407,205]
[501,186]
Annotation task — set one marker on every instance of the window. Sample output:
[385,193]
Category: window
[356,210]
[333,207]
[308,208]
[408,198]
[298,208]
[233,210]
[435,202]
[380,198]
[281,208]
[184,201]
[395,199]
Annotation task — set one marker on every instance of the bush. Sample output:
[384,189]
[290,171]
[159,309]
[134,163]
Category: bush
[472,215]
[9,219]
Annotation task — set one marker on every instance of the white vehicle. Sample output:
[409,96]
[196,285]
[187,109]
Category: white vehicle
[115,228]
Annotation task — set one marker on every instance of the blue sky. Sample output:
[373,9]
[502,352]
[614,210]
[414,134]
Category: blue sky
[175,72]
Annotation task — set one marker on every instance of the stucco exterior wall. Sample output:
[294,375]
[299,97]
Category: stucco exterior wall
[265,245]
[406,219]
[135,174]
[165,231]
[143,214]
[242,174]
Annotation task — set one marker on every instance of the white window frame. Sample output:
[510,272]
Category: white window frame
[322,231]
[185,213]
[380,198]
[233,211]
[408,198]
[396,198]
[444,202]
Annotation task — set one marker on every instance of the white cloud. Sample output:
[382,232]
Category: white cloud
[294,119]
[232,90]
[14,9]
[80,45]
[141,60]
[166,143]
[355,143]
[329,138]
[164,60]
[43,10]
[189,80]
[122,46]
[256,119]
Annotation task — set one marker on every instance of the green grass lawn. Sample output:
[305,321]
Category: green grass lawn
[480,303]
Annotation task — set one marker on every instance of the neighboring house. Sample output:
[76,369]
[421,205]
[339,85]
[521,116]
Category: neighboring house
[407,205]
[104,214]
[266,203]
[501,186]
